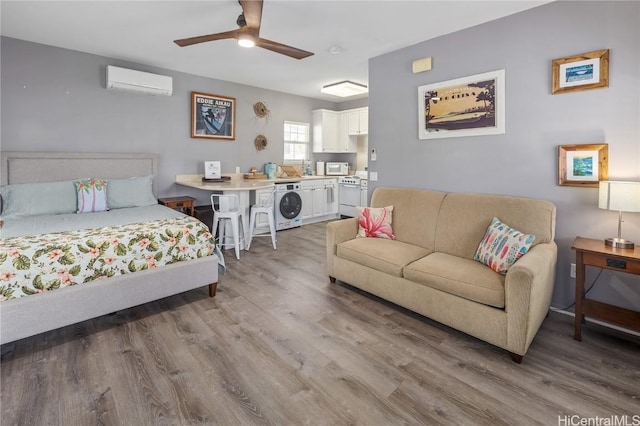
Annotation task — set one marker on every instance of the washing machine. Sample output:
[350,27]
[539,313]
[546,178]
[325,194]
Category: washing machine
[288,204]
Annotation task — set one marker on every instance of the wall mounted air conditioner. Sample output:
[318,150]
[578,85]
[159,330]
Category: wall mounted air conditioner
[138,81]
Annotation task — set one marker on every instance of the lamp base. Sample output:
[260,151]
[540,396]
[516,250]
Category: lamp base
[619,243]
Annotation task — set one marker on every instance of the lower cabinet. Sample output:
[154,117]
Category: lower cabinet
[319,200]
[331,190]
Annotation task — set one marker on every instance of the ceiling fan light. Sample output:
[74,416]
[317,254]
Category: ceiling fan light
[344,89]
[245,40]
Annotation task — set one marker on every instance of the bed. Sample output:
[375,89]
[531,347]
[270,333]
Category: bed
[93,276]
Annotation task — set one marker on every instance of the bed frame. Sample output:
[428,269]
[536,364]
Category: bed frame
[28,316]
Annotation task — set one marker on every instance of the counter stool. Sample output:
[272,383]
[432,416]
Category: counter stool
[263,206]
[228,208]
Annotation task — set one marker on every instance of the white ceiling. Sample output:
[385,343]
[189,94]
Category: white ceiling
[143,32]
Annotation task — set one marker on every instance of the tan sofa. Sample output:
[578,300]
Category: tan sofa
[429,267]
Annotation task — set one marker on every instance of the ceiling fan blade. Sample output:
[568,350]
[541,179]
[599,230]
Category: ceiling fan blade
[252,11]
[283,49]
[204,38]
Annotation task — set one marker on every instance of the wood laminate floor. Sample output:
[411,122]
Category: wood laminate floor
[280,345]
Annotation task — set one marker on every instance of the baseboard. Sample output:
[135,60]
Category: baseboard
[595,321]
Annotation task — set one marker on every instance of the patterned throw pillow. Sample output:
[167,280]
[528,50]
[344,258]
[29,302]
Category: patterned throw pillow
[375,222]
[502,246]
[92,195]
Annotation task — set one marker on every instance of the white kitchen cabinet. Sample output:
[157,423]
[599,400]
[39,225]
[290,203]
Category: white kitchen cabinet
[307,200]
[331,132]
[345,142]
[326,129]
[313,199]
[358,121]
[319,200]
[331,192]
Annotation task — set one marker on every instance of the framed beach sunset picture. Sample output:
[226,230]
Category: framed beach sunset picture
[468,106]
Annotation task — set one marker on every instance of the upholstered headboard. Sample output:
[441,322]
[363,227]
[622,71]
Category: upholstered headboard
[27,167]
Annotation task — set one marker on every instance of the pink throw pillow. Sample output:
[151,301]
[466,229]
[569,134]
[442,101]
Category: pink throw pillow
[375,222]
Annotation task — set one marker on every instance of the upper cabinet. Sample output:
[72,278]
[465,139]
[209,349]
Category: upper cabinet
[358,120]
[332,130]
[326,128]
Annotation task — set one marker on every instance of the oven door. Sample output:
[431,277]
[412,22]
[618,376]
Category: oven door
[349,197]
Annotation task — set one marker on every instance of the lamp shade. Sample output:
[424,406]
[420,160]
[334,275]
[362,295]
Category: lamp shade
[620,196]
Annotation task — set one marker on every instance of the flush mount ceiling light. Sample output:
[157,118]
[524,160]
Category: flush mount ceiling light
[344,89]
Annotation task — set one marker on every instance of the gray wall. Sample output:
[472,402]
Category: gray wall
[523,161]
[55,100]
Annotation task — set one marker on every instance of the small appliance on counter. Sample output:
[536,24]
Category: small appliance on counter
[337,169]
[320,168]
[270,170]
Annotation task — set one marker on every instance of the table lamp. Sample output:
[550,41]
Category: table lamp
[623,197]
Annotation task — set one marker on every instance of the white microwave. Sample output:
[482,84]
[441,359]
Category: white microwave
[337,169]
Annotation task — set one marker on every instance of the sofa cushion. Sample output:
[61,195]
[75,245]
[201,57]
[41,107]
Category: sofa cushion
[502,246]
[415,213]
[375,222]
[458,276]
[383,255]
[464,218]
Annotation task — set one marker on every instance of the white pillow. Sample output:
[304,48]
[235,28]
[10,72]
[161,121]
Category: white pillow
[91,195]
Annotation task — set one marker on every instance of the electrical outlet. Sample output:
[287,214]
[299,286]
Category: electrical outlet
[572,273]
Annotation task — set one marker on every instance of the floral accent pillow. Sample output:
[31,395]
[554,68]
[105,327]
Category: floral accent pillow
[92,195]
[375,222]
[502,246]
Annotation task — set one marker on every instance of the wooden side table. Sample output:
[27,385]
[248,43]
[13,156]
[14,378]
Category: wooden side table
[181,203]
[595,253]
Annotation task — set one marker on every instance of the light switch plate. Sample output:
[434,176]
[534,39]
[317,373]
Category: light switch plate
[373,175]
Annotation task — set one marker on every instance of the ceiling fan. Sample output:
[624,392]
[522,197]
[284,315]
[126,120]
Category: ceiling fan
[248,35]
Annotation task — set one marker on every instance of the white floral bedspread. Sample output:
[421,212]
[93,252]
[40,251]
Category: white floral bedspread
[39,263]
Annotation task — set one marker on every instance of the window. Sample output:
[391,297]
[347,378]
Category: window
[296,141]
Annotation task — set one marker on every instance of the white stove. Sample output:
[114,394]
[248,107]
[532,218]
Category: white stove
[352,193]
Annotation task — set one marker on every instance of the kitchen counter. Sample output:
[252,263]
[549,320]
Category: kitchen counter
[239,183]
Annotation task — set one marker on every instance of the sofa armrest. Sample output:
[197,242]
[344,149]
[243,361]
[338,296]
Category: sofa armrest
[528,290]
[339,231]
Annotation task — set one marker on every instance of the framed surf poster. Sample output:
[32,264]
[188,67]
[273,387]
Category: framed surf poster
[213,116]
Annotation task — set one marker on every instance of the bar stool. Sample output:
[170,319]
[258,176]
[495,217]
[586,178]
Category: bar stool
[228,209]
[263,206]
